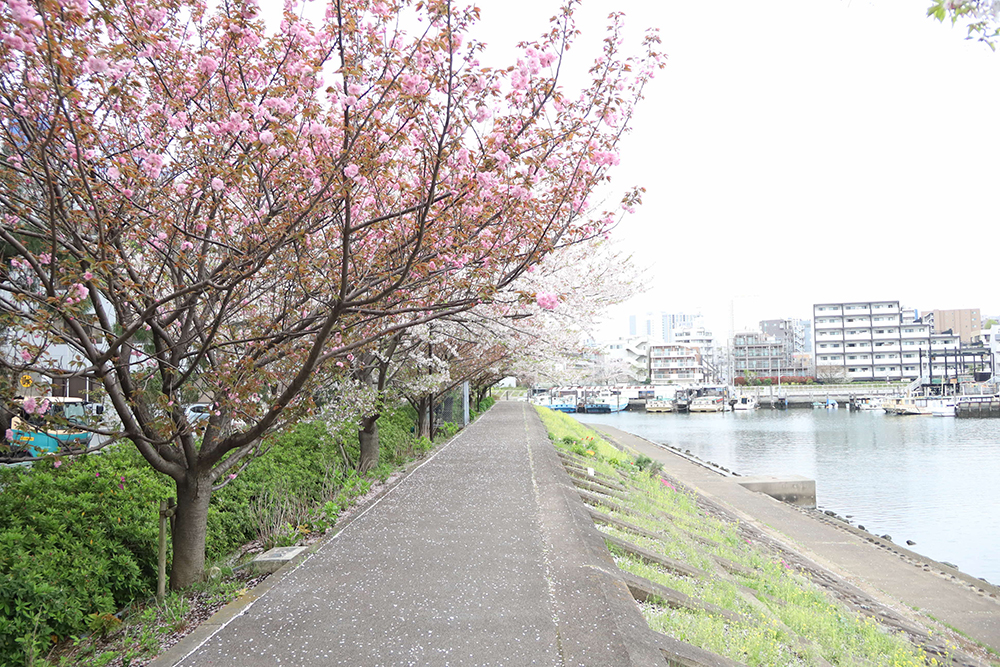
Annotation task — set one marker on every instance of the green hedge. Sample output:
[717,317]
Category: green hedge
[81,539]
[74,541]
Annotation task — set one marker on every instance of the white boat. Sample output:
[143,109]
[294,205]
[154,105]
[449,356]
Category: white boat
[746,403]
[708,404]
[659,405]
[944,408]
[868,404]
[923,406]
[605,402]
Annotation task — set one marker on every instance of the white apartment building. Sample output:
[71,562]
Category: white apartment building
[675,364]
[696,335]
[632,354]
[878,340]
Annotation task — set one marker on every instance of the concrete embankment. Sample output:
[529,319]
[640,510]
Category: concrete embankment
[875,565]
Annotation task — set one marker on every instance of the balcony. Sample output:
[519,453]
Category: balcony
[915,332]
[884,307]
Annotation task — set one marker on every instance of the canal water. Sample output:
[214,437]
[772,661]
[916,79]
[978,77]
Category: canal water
[933,480]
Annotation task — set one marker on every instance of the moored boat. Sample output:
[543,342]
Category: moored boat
[605,402]
[923,406]
[867,404]
[708,404]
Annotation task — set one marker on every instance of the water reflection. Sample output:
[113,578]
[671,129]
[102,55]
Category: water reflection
[927,479]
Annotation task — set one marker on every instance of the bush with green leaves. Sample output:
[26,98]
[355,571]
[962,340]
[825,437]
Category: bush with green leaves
[78,537]
[75,540]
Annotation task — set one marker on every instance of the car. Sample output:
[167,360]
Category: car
[198,413]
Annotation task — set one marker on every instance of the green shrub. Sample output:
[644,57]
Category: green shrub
[74,541]
[79,542]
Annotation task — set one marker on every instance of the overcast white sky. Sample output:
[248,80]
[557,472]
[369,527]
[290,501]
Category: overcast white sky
[802,152]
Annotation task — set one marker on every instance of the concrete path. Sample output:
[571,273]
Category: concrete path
[955,598]
[483,555]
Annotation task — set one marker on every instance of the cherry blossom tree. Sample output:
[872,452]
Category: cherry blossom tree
[981,18]
[200,207]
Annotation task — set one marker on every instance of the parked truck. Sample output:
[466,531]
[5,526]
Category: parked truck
[58,428]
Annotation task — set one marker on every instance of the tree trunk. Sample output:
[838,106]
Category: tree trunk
[423,420]
[190,527]
[368,439]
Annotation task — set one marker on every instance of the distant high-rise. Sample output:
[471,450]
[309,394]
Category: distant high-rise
[674,321]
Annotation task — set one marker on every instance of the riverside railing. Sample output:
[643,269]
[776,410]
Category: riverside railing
[822,390]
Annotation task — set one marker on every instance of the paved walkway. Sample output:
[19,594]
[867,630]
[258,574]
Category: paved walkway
[953,597]
[484,555]
[453,566]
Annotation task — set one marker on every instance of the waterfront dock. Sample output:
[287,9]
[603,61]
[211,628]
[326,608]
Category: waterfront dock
[485,554]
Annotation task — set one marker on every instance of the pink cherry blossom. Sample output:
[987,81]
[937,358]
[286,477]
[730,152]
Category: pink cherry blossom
[351,170]
[266,137]
[35,407]
[97,65]
[218,185]
[207,65]
[547,300]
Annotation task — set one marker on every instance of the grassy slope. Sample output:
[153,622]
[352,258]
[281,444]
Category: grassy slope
[791,622]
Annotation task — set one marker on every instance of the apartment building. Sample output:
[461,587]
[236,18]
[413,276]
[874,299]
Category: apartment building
[632,353]
[796,333]
[965,322]
[696,335]
[675,364]
[879,340]
[759,354]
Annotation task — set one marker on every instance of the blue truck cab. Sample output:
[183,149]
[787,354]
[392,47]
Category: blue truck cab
[60,428]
